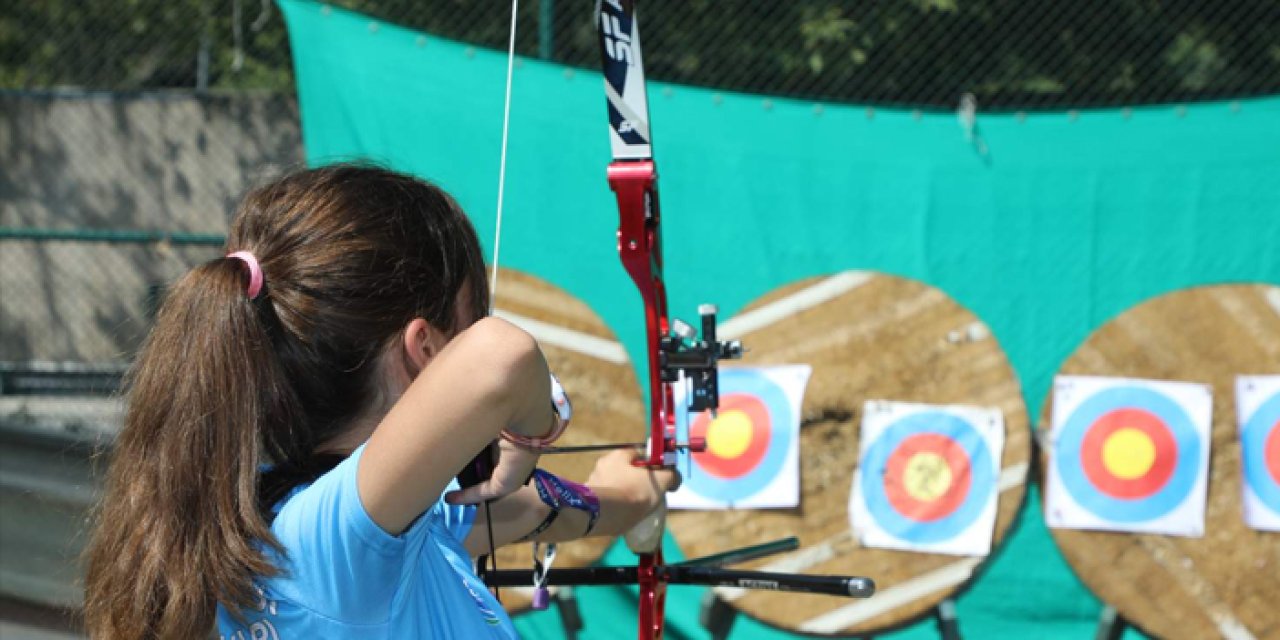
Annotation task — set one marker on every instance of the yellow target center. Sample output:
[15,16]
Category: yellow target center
[927,476]
[1128,453]
[729,435]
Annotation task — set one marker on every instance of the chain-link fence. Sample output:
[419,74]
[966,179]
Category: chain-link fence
[103,198]
[1008,53]
[128,128]
[131,127]
[92,144]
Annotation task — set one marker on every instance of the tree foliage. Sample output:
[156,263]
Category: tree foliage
[1010,53]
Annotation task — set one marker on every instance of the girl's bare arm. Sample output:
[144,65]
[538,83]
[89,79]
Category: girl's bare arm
[489,378]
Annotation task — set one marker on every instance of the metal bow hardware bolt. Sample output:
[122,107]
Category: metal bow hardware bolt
[682,354]
[676,354]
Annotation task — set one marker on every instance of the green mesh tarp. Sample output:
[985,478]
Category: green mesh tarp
[1044,225]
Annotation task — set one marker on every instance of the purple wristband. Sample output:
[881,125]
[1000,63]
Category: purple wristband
[557,493]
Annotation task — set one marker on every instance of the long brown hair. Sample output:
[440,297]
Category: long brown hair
[224,384]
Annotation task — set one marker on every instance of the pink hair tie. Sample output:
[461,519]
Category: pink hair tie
[255,272]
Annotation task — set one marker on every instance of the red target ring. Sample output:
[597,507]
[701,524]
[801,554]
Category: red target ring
[1271,452]
[1093,458]
[757,414]
[939,500]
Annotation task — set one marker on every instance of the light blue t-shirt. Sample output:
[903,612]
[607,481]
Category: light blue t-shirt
[344,577]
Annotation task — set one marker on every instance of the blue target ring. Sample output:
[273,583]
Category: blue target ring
[1071,467]
[774,398]
[981,469]
[1254,439]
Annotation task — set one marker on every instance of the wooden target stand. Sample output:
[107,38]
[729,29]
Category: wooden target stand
[1227,583]
[607,407]
[867,336]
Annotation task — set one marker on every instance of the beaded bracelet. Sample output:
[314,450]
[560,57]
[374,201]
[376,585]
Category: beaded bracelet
[561,412]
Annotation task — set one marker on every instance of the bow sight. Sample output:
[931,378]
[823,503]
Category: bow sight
[681,353]
[675,354]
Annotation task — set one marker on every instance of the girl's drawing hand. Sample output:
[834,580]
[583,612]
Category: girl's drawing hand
[514,466]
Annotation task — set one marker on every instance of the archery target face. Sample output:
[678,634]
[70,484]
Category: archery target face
[752,458]
[1129,455]
[1258,413]
[927,477]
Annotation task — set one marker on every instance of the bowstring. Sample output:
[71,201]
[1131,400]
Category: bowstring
[497,242]
[502,157]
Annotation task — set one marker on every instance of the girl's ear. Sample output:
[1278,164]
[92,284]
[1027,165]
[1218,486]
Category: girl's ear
[422,342]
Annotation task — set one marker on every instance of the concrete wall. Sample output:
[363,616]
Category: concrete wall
[156,162]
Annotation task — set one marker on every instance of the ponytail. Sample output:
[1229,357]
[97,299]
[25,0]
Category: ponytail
[178,527]
[236,374]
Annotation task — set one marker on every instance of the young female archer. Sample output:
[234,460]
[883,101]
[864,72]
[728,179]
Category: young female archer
[296,419]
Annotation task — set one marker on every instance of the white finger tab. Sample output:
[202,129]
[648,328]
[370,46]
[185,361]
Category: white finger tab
[646,536]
